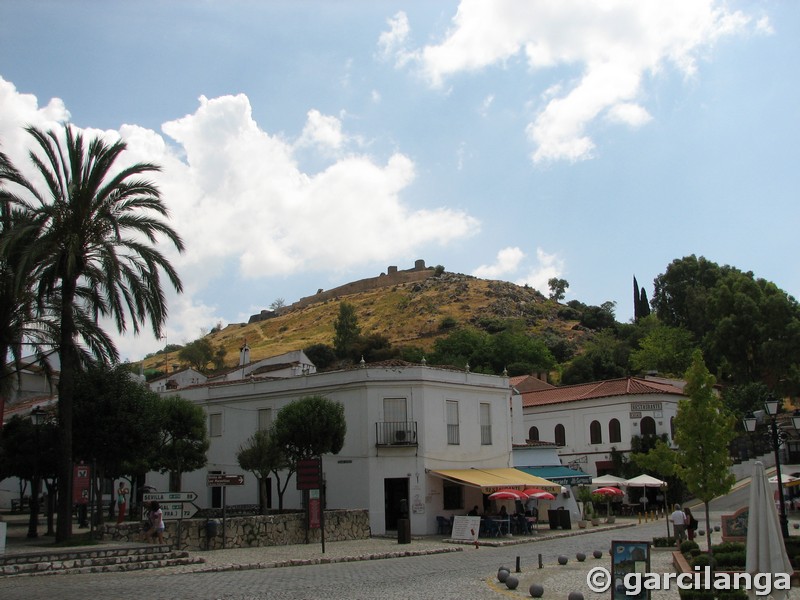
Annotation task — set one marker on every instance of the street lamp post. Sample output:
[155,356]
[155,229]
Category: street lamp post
[777,438]
[37,417]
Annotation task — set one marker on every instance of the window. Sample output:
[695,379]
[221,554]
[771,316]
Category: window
[614,433]
[595,433]
[533,434]
[265,419]
[672,427]
[452,496]
[394,410]
[560,435]
[215,425]
[486,424]
[452,422]
[647,426]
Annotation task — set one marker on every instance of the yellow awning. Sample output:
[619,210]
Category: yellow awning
[490,480]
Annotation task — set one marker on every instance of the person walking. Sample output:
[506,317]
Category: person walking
[678,518]
[122,501]
[157,523]
[691,523]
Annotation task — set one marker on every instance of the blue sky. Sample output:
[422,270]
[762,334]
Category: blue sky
[308,144]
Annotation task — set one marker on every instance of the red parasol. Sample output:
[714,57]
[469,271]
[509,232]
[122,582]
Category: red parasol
[542,495]
[508,494]
[609,491]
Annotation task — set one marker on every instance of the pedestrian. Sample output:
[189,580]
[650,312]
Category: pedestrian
[691,523]
[157,523]
[678,518]
[122,501]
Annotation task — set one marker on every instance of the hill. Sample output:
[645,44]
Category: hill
[408,313]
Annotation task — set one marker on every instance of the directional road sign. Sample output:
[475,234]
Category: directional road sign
[217,479]
[175,510]
[170,497]
[178,510]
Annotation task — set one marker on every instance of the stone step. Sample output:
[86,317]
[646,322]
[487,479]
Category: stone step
[94,561]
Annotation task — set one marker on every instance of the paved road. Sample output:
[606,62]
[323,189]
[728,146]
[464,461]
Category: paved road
[460,575]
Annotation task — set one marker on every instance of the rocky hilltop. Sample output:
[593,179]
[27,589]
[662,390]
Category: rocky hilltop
[407,307]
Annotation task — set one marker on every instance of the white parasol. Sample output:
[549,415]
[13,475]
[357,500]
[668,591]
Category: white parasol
[766,552]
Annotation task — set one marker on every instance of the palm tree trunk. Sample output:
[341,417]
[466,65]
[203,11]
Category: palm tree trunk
[70,365]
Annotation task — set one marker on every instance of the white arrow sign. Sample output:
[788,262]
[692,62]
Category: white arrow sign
[178,510]
[170,496]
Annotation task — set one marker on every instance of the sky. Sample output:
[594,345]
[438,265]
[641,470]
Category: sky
[308,144]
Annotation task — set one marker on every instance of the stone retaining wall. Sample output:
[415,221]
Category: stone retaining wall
[255,531]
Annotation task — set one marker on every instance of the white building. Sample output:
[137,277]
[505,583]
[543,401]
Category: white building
[587,420]
[437,438]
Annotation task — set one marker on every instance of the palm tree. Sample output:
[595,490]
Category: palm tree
[21,323]
[97,225]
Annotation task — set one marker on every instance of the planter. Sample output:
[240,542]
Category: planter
[611,519]
[583,523]
[595,521]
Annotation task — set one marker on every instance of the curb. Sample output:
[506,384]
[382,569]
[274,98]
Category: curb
[302,562]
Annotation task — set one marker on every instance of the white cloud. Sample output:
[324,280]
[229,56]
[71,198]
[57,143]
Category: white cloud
[393,42]
[614,42]
[507,261]
[629,114]
[237,196]
[547,267]
[512,260]
[323,131]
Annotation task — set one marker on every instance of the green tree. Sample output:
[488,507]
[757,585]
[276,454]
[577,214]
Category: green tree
[28,452]
[322,355]
[262,456]
[21,318]
[465,345]
[703,432]
[116,423]
[603,357]
[558,288]
[309,427]
[664,349]
[183,440]
[747,328]
[98,227]
[641,307]
[198,353]
[659,461]
[346,330]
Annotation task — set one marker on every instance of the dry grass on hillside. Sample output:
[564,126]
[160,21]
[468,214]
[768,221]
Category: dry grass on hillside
[407,314]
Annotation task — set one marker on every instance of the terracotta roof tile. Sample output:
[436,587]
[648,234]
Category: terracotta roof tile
[629,386]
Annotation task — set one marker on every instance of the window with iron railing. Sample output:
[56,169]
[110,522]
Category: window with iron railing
[396,433]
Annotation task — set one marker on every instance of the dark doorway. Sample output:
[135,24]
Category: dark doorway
[395,490]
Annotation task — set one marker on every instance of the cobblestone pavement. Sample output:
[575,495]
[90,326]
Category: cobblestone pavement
[467,573]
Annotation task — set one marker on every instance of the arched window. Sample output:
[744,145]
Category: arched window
[614,434]
[561,435]
[595,433]
[647,426]
[533,434]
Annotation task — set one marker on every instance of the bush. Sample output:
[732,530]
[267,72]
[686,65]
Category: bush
[702,560]
[447,323]
[696,594]
[729,547]
[663,542]
[731,561]
[688,546]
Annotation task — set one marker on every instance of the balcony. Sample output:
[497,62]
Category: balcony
[396,433]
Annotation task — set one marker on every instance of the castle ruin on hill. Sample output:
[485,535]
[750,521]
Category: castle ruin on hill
[393,276]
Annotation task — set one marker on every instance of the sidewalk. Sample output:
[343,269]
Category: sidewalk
[294,555]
